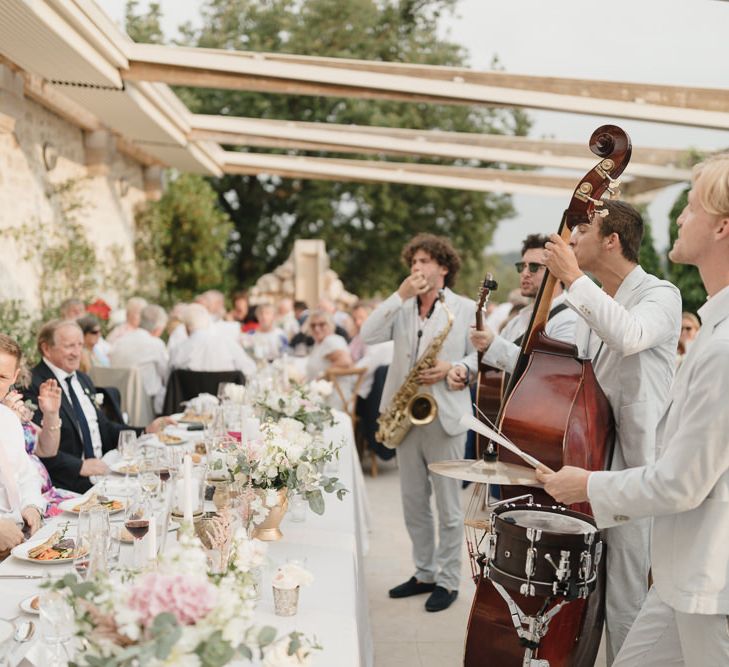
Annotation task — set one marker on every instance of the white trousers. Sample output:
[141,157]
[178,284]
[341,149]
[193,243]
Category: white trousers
[664,637]
[627,568]
[441,563]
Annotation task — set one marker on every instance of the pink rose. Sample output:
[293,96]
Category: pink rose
[188,600]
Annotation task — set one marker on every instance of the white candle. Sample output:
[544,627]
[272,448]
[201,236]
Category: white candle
[286,371]
[152,539]
[187,486]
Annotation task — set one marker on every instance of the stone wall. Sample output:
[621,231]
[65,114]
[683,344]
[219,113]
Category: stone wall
[109,185]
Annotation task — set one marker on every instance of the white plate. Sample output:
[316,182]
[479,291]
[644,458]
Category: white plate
[68,505]
[119,468]
[6,630]
[21,553]
[26,606]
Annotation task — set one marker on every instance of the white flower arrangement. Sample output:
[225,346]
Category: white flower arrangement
[299,402]
[179,614]
[287,456]
[235,393]
[292,575]
[322,388]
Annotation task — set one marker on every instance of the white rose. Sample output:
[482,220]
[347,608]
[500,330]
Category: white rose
[277,655]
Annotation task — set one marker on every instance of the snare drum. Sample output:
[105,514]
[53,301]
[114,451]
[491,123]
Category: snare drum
[545,551]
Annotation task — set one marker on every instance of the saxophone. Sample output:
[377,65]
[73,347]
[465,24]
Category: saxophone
[410,407]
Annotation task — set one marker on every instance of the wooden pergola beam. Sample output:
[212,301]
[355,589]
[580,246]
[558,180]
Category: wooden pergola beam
[299,75]
[264,133]
[465,178]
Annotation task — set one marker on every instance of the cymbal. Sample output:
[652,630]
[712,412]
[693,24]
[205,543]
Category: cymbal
[508,474]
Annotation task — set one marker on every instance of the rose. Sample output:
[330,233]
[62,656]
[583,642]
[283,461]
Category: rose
[277,655]
[187,598]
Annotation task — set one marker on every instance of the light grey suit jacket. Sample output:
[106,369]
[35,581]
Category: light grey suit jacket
[687,489]
[638,333]
[395,319]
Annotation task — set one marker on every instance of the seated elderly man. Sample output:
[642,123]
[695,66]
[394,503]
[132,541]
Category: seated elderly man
[208,348]
[21,500]
[86,433]
[134,308]
[143,349]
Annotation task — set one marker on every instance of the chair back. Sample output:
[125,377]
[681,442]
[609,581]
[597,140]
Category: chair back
[347,397]
[185,384]
[136,403]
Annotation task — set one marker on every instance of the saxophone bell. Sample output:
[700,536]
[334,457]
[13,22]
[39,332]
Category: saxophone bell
[422,409]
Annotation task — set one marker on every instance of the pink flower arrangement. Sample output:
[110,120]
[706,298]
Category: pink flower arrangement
[187,599]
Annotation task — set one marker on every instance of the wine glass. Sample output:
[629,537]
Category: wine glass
[92,539]
[149,471]
[127,446]
[136,521]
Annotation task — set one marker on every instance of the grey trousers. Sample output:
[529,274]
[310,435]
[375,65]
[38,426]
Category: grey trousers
[439,563]
[627,567]
[664,637]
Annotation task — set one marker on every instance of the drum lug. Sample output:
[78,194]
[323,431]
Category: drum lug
[533,534]
[527,590]
[598,553]
[530,566]
[491,546]
[585,566]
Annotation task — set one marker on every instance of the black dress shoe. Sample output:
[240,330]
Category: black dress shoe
[440,599]
[411,587]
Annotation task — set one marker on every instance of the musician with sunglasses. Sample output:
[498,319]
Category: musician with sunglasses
[629,327]
[501,350]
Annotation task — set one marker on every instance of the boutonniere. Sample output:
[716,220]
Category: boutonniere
[97,399]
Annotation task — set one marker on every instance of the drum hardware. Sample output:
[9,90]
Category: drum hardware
[530,629]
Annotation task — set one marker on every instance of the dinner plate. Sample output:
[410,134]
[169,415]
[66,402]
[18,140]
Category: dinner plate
[27,605]
[71,503]
[120,468]
[6,630]
[21,553]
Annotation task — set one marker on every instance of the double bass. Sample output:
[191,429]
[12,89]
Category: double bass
[555,410]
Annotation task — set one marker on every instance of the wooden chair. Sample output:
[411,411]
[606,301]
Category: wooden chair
[349,403]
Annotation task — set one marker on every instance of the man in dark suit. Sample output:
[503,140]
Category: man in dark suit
[86,433]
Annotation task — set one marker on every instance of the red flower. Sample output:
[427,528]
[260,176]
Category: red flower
[100,308]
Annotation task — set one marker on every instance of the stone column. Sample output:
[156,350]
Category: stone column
[100,147]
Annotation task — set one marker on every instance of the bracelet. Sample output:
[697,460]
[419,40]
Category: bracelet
[52,429]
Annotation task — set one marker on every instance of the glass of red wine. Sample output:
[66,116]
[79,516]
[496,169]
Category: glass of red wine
[136,521]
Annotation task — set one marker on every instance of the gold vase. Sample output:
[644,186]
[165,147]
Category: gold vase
[268,530]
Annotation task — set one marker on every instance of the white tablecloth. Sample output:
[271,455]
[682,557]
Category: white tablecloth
[333,609]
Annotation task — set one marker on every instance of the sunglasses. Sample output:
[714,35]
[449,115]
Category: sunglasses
[95,332]
[688,328]
[533,266]
[316,325]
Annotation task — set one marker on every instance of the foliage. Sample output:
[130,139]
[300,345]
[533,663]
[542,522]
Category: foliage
[19,324]
[66,262]
[144,27]
[364,225]
[684,276]
[474,271]
[648,258]
[182,240]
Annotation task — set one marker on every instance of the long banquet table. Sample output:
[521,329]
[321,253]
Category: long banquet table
[333,609]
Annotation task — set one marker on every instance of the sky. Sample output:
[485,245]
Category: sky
[676,42]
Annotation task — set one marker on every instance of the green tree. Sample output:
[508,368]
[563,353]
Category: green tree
[364,225]
[648,258]
[684,276]
[144,27]
[181,241]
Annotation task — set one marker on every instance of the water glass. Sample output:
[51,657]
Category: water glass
[297,508]
[128,447]
[92,541]
[56,618]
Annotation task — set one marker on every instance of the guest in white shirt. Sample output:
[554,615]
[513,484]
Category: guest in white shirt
[330,350]
[207,348]
[267,342]
[285,318]
[683,620]
[143,349]
[21,500]
[135,305]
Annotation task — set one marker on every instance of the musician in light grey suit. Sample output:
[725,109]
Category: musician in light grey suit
[684,618]
[629,328]
[412,317]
